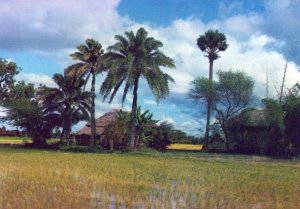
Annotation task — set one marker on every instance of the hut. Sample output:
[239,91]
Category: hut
[83,136]
[249,132]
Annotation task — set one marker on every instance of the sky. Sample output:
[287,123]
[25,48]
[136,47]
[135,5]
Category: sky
[262,34]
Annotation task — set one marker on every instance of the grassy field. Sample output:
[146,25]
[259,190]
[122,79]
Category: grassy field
[48,179]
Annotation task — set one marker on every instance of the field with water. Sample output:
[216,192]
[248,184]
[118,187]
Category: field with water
[49,179]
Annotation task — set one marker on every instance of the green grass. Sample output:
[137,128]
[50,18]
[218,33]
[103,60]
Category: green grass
[48,179]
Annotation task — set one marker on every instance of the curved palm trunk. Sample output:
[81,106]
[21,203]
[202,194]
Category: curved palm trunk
[206,141]
[93,120]
[131,144]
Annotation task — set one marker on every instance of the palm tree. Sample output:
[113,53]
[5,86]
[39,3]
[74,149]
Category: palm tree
[133,57]
[67,102]
[212,42]
[91,59]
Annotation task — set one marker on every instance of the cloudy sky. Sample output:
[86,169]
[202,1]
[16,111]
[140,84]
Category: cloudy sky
[262,34]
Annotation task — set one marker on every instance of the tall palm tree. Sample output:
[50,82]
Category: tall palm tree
[91,61]
[212,42]
[132,57]
[67,102]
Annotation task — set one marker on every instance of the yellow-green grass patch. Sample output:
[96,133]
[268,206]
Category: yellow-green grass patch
[14,140]
[21,140]
[187,147]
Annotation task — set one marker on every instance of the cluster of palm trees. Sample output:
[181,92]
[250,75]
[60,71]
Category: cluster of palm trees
[132,57]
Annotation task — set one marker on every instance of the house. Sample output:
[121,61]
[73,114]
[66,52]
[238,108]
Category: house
[83,136]
[249,132]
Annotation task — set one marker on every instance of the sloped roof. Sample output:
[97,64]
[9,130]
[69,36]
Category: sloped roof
[251,118]
[255,118]
[101,123]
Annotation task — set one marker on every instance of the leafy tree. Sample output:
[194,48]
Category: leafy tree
[91,59]
[67,101]
[212,42]
[115,136]
[144,125]
[161,136]
[7,72]
[234,93]
[133,57]
[277,143]
[204,90]
[21,90]
[291,106]
[119,129]
[24,110]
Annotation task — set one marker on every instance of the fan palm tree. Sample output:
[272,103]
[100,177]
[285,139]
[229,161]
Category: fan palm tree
[67,102]
[212,42]
[132,57]
[91,62]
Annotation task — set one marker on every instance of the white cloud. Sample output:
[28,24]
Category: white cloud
[50,26]
[150,102]
[36,79]
[167,119]
[2,111]
[242,24]
[191,126]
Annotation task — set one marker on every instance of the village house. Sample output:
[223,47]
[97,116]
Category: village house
[83,136]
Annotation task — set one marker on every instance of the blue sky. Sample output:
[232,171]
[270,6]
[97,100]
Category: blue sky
[40,35]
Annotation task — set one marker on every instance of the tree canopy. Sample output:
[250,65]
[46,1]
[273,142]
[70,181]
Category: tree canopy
[7,72]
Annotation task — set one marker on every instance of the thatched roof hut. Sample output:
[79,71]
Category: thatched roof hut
[83,136]
[249,131]
[250,118]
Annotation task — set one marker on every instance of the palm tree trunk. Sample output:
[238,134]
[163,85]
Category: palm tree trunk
[206,140]
[93,120]
[131,145]
[211,65]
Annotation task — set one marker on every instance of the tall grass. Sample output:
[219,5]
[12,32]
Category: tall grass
[41,179]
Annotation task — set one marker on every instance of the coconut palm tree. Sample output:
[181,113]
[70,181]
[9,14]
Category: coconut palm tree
[91,62]
[132,57]
[212,42]
[67,102]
